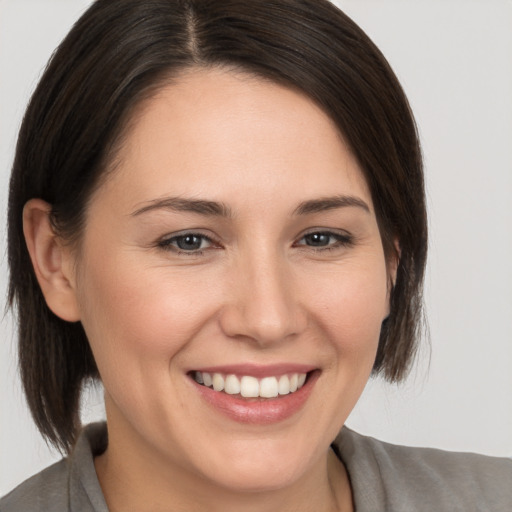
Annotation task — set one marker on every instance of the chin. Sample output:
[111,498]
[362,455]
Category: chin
[260,466]
[258,479]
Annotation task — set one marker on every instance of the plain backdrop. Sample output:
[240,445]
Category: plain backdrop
[454,58]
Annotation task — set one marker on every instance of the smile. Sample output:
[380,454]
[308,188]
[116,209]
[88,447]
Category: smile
[249,386]
[252,394]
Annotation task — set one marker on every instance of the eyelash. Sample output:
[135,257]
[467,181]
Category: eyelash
[341,240]
[167,243]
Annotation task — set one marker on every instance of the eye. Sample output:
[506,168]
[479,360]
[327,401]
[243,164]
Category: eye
[192,243]
[325,240]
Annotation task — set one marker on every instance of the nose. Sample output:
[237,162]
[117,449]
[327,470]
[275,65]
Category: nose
[262,303]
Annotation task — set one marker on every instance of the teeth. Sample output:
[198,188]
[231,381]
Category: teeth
[268,387]
[207,379]
[232,385]
[218,382]
[294,382]
[284,384]
[251,387]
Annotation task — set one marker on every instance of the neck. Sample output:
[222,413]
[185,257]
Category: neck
[139,479]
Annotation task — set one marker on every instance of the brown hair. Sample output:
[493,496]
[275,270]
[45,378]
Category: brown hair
[116,53]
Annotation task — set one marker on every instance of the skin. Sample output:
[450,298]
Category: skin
[258,293]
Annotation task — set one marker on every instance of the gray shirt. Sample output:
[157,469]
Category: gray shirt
[384,478]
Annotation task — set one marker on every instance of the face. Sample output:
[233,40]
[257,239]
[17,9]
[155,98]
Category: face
[235,242]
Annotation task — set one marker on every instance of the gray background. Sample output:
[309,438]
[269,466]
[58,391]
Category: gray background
[454,59]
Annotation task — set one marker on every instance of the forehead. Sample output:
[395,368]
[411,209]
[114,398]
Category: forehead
[212,132]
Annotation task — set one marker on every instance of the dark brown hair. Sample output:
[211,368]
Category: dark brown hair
[119,51]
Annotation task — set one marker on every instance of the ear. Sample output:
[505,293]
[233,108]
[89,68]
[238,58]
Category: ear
[51,259]
[392,263]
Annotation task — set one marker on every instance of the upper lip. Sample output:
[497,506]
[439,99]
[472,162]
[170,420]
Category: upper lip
[256,370]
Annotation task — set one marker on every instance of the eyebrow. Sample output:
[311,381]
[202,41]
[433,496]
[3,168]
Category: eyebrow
[330,203]
[218,209]
[180,204]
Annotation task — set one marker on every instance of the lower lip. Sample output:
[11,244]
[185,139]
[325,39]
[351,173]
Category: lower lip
[259,411]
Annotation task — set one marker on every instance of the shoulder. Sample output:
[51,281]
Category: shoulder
[68,485]
[47,490]
[406,478]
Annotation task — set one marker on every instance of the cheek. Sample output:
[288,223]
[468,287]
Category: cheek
[350,304]
[136,314]
[139,322]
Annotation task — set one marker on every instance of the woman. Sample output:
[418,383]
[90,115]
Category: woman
[224,222]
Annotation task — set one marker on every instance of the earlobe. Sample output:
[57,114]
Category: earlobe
[51,261]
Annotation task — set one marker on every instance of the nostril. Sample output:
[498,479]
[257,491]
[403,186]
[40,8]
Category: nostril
[263,325]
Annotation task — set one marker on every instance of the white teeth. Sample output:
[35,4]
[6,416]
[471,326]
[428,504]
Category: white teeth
[284,384]
[232,385]
[268,387]
[251,387]
[218,382]
[207,379]
[294,382]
